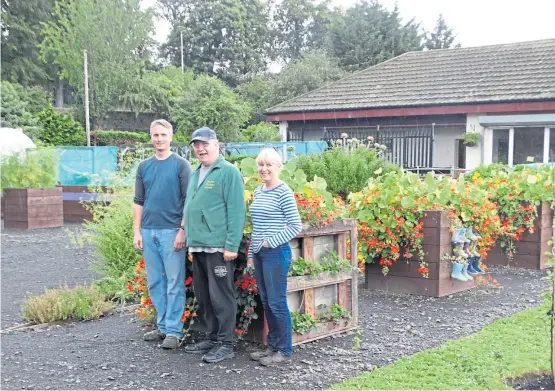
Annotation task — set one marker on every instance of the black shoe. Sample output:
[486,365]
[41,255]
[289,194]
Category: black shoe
[200,347]
[219,353]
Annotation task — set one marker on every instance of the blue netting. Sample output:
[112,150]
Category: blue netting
[300,148]
[82,166]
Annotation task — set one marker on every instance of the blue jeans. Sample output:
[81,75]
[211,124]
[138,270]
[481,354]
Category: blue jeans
[165,273]
[271,266]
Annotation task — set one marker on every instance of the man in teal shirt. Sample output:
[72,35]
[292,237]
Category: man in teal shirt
[214,217]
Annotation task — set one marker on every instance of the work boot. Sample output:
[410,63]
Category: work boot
[256,356]
[200,347]
[275,359]
[219,352]
[170,342]
[154,335]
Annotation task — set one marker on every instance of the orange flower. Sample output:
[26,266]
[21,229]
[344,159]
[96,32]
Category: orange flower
[185,316]
[130,288]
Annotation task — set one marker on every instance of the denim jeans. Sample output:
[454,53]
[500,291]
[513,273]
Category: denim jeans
[271,266]
[165,273]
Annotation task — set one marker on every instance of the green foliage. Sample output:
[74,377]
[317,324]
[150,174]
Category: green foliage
[116,36]
[60,129]
[32,169]
[258,93]
[472,139]
[260,132]
[442,37]
[368,34]
[36,98]
[15,111]
[314,70]
[489,170]
[236,158]
[329,263]
[508,348]
[111,232]
[303,323]
[337,313]
[119,137]
[113,289]
[228,39]
[209,102]
[64,303]
[344,172]
[21,31]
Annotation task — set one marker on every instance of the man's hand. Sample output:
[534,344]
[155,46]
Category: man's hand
[138,241]
[179,242]
[229,256]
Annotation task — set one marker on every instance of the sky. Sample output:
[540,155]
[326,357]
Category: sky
[476,22]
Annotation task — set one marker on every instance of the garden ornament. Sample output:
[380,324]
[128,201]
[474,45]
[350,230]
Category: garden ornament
[461,257]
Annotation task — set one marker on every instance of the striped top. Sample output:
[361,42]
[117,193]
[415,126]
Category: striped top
[275,217]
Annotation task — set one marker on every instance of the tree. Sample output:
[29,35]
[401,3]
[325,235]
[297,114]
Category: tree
[369,34]
[209,102]
[299,26]
[316,69]
[258,93]
[226,39]
[21,33]
[115,34]
[442,37]
[59,129]
[14,112]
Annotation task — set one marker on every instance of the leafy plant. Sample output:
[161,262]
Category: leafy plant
[15,111]
[303,267]
[64,303]
[471,139]
[59,129]
[35,168]
[113,289]
[337,312]
[303,323]
[118,137]
[261,132]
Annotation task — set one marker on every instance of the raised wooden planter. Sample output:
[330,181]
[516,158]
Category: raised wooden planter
[403,276]
[315,295]
[33,208]
[530,251]
[73,196]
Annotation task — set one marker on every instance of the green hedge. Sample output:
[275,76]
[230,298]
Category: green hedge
[119,137]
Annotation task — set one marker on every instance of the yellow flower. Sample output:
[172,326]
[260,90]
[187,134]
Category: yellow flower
[248,195]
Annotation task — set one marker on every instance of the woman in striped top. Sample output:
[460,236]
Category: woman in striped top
[275,220]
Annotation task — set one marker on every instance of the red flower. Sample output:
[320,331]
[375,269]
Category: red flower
[130,288]
[188,281]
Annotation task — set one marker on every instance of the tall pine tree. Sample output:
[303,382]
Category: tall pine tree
[442,37]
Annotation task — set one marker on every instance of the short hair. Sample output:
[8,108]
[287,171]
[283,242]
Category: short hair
[269,155]
[163,123]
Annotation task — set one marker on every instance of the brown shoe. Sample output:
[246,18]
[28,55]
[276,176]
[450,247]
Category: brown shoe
[276,358]
[256,356]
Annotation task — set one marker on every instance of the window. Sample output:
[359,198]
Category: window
[528,143]
[500,146]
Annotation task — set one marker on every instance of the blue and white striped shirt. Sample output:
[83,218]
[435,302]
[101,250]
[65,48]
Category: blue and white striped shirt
[275,217]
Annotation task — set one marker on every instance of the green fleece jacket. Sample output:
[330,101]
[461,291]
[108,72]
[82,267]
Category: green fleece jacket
[215,211]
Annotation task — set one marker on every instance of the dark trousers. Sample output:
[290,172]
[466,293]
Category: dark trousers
[215,294]
[271,266]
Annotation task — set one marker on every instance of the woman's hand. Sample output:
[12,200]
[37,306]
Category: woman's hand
[250,262]
[265,244]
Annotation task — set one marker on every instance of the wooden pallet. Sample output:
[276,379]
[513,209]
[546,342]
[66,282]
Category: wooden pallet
[33,208]
[315,295]
[530,251]
[403,276]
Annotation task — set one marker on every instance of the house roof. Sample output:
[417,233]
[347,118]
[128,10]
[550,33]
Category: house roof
[523,71]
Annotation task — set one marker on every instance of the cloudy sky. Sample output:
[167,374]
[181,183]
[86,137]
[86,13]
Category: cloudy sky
[476,22]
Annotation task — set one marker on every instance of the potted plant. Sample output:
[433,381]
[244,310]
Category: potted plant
[30,198]
[471,139]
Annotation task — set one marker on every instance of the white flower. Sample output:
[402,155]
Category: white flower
[370,139]
[344,135]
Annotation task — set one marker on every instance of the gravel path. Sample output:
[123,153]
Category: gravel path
[34,259]
[110,354]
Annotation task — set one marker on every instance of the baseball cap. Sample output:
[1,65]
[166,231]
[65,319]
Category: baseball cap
[203,134]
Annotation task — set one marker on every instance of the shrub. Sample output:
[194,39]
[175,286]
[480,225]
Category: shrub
[59,129]
[33,169]
[113,289]
[111,232]
[261,132]
[344,171]
[79,303]
[14,111]
[236,158]
[118,137]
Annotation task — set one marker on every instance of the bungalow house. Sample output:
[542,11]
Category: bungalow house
[421,104]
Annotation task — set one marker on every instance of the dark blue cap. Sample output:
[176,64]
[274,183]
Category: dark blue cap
[204,134]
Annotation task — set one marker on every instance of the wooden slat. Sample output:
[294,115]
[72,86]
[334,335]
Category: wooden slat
[56,191]
[354,265]
[50,200]
[333,228]
[49,223]
[324,279]
[342,245]
[343,294]
[308,248]
[309,302]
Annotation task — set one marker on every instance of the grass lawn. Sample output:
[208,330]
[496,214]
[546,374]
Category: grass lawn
[507,348]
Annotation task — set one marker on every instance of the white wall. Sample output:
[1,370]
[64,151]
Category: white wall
[474,155]
[445,146]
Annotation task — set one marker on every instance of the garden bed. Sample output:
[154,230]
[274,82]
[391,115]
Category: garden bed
[73,197]
[403,276]
[33,208]
[530,251]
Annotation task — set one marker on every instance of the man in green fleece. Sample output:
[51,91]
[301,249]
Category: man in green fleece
[214,218]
